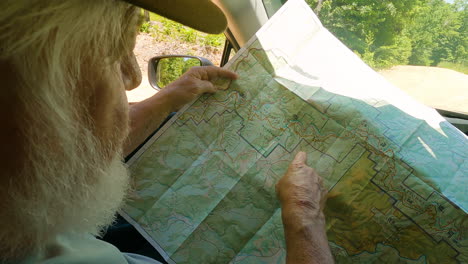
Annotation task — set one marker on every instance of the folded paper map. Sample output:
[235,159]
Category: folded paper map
[396,171]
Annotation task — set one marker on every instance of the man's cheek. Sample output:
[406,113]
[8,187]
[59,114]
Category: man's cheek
[131,74]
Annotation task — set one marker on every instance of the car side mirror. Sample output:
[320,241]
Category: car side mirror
[162,70]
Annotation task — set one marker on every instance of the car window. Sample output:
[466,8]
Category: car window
[271,6]
[419,46]
[161,36]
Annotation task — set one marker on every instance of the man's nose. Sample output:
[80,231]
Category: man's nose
[131,73]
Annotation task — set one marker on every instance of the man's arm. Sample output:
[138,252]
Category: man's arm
[147,116]
[302,198]
[306,238]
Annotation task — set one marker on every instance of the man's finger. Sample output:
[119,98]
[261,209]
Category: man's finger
[300,158]
[221,84]
[215,73]
[320,180]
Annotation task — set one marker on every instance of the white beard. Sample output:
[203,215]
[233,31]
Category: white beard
[97,207]
[77,190]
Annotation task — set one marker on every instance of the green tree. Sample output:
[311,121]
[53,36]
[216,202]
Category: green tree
[459,43]
[436,33]
[375,30]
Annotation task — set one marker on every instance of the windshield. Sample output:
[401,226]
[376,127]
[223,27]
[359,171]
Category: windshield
[419,46]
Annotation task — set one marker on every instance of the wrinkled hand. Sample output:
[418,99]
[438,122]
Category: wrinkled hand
[196,81]
[301,190]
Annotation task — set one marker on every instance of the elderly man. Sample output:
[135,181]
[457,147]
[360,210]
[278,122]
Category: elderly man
[64,67]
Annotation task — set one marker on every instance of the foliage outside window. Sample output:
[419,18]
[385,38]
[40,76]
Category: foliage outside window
[163,29]
[395,32]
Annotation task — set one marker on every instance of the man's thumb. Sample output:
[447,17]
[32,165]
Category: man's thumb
[207,87]
[301,158]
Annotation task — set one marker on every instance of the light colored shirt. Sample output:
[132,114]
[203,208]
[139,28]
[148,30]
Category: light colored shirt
[85,248]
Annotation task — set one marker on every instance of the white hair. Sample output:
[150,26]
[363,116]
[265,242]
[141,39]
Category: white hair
[60,175]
